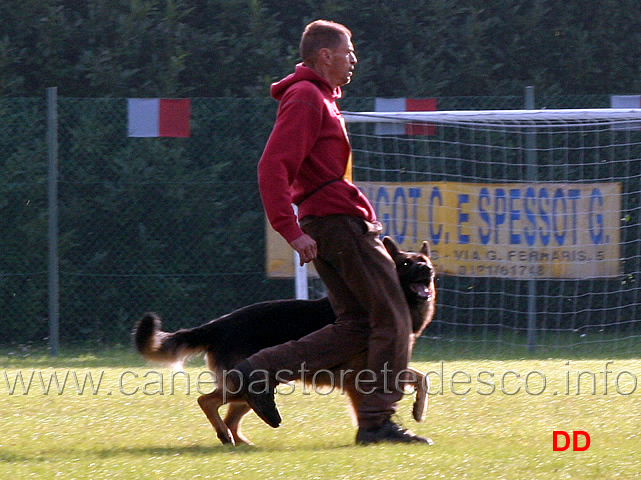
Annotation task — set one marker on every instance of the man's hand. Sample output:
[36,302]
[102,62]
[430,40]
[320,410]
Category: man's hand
[306,248]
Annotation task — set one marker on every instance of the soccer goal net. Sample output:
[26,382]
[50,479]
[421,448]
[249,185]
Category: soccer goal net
[532,217]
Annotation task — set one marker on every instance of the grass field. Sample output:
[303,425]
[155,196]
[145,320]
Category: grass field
[490,418]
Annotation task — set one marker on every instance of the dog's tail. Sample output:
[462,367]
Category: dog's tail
[163,347]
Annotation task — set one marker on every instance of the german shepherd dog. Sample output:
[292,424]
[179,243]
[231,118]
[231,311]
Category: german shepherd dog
[233,337]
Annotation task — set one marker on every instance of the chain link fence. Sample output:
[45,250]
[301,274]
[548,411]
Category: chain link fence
[167,224]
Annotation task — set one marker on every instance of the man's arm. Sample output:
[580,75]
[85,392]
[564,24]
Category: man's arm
[292,139]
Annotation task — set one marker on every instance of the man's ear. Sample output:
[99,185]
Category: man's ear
[324,56]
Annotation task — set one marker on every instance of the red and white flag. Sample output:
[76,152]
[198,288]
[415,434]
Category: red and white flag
[158,117]
[405,105]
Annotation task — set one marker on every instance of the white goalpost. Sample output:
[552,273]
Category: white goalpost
[532,216]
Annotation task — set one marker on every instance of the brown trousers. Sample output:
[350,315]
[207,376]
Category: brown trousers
[372,314]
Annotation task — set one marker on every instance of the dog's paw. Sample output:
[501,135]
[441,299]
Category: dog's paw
[226,437]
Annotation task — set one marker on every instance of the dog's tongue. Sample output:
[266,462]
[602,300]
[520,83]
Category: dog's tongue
[421,290]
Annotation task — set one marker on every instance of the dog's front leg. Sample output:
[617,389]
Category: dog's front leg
[422,387]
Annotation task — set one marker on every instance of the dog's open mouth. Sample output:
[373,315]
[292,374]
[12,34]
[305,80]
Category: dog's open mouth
[421,290]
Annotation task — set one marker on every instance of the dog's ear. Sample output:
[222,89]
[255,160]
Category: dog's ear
[425,249]
[391,246]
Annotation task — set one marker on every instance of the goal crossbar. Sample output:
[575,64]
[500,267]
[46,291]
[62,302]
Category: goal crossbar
[521,118]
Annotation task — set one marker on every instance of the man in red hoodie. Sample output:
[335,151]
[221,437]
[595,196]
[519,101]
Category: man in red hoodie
[307,162]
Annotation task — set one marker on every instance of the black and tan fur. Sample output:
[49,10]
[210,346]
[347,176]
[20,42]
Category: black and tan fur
[233,337]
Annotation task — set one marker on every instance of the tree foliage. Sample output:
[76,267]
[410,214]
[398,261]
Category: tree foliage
[217,48]
[178,223]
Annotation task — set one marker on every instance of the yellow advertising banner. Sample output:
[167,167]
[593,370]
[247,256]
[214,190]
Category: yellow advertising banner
[508,230]
[280,256]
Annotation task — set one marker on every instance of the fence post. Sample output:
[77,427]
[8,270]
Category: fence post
[530,152]
[52,233]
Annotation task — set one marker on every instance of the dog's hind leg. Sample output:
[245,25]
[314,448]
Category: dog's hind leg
[422,387]
[210,403]
[235,414]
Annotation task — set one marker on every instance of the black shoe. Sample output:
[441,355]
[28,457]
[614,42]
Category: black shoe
[258,392]
[389,432]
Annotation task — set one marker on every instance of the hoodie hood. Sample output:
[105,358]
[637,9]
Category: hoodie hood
[301,74]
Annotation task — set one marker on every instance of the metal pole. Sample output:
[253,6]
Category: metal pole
[302,292]
[52,149]
[530,152]
[300,274]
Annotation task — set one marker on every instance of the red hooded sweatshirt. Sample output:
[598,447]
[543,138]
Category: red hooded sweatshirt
[306,157]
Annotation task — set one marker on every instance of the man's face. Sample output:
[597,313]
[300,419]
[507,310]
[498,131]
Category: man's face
[343,62]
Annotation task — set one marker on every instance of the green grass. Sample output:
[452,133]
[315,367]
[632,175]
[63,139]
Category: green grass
[122,433]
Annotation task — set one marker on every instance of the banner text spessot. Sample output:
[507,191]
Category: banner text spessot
[514,230]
